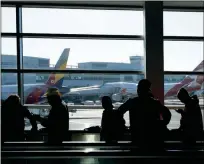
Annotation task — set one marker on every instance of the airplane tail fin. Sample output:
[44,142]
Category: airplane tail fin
[56,79]
[200,67]
[188,80]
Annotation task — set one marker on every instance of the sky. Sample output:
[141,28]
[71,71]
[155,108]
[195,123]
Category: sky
[178,55]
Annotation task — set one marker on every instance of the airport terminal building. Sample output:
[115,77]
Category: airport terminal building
[77,80]
[10,62]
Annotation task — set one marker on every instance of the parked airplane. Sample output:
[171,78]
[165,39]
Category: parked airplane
[192,83]
[120,91]
[33,92]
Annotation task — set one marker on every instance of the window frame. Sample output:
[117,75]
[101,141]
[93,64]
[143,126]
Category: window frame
[19,35]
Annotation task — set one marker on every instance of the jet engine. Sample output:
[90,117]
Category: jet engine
[117,97]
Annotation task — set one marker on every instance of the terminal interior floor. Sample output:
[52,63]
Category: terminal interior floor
[92,160]
[98,153]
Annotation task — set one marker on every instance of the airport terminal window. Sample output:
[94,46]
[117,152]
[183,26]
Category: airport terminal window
[183,23]
[79,92]
[8,19]
[8,53]
[82,50]
[36,84]
[8,84]
[194,84]
[87,88]
[183,55]
[82,21]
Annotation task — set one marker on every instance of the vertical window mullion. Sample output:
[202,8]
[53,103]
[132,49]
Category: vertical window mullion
[19,52]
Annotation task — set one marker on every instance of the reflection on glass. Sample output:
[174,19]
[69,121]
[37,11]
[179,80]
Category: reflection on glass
[82,21]
[8,53]
[84,54]
[183,23]
[183,55]
[8,19]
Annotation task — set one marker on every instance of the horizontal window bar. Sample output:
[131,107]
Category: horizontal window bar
[70,71]
[9,34]
[96,71]
[98,36]
[3,4]
[184,8]
[91,5]
[183,38]
[82,36]
[73,36]
[182,73]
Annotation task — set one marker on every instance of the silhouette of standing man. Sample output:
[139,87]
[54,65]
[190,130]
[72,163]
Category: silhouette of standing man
[146,126]
[57,123]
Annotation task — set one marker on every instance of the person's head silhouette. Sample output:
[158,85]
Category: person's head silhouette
[107,103]
[183,95]
[143,88]
[13,100]
[53,96]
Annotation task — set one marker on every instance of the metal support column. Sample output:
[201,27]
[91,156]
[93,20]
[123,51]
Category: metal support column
[153,42]
[19,52]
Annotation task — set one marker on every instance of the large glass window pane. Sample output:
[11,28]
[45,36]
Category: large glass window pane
[8,53]
[82,21]
[8,84]
[8,19]
[81,89]
[78,88]
[183,23]
[83,54]
[183,56]
[194,84]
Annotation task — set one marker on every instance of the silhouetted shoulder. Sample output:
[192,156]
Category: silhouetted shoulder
[25,111]
[195,99]
[133,100]
[128,105]
[156,101]
[130,102]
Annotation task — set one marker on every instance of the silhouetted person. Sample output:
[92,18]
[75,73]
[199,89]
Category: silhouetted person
[191,124]
[148,117]
[112,123]
[13,124]
[57,122]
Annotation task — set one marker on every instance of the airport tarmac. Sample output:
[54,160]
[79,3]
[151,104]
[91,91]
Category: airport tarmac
[85,118]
